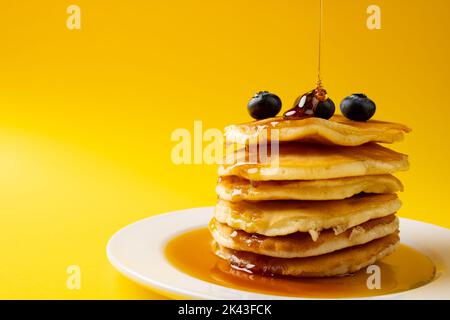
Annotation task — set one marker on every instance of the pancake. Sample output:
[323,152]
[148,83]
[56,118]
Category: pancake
[275,218]
[336,131]
[302,161]
[234,188]
[339,262]
[300,244]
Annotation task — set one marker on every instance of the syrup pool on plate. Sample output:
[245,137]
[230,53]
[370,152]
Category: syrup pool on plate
[405,269]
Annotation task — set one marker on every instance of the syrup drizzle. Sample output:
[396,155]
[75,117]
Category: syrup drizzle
[306,104]
[319,78]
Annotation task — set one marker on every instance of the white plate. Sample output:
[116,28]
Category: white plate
[137,251]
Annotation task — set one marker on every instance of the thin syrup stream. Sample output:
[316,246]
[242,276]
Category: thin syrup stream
[319,79]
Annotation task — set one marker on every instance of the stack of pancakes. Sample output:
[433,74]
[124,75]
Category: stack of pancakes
[326,207]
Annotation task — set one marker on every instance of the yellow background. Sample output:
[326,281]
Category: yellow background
[86,115]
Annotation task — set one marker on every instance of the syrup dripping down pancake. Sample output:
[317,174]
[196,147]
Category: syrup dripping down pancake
[339,262]
[233,188]
[301,161]
[300,244]
[275,218]
[336,131]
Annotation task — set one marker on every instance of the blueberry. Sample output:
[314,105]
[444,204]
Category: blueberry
[324,109]
[264,105]
[358,107]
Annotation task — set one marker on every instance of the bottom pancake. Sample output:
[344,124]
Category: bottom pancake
[300,244]
[339,262]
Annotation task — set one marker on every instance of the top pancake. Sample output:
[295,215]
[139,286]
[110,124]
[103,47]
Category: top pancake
[304,161]
[336,131]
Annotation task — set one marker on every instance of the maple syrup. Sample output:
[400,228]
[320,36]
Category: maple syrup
[405,269]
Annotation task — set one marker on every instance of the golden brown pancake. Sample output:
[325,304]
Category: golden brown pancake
[234,188]
[300,244]
[339,262]
[336,131]
[275,218]
[302,161]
